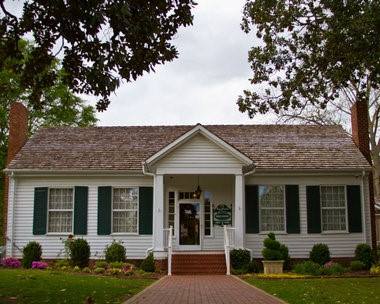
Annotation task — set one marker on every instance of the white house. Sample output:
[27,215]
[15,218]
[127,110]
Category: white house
[308,184]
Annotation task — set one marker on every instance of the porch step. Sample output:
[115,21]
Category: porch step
[198,263]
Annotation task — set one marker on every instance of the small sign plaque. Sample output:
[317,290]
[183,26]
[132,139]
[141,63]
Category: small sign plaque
[222,215]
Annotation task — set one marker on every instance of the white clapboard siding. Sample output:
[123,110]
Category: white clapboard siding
[52,245]
[340,244]
[199,152]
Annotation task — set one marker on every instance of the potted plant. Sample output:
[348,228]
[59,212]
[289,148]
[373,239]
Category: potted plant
[275,254]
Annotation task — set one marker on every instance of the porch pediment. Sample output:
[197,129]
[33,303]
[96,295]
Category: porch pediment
[198,151]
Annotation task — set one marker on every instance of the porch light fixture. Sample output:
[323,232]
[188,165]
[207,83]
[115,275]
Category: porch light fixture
[197,193]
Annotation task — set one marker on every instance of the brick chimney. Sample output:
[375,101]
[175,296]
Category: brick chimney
[359,125]
[18,135]
[360,135]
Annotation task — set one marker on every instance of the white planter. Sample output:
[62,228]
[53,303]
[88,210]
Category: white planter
[271,267]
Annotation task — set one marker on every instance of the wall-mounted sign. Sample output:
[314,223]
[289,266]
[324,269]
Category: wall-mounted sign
[222,215]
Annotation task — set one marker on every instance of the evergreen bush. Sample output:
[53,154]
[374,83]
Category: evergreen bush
[320,254]
[115,252]
[32,252]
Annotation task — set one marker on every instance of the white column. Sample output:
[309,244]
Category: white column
[239,211]
[158,217]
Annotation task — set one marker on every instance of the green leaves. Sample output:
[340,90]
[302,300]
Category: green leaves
[309,51]
[101,42]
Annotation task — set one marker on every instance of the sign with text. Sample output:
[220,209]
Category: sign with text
[222,215]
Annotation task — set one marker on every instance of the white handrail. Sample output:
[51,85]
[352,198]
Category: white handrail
[227,247]
[170,249]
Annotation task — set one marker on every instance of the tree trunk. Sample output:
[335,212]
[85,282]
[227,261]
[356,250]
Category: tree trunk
[376,173]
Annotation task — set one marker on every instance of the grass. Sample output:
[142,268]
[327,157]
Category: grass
[322,291]
[44,286]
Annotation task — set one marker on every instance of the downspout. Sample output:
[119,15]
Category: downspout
[363,210]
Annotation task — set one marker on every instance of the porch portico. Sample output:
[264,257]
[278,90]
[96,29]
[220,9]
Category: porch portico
[197,158]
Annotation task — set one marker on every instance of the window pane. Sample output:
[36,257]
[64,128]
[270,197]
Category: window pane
[333,219]
[125,221]
[271,196]
[125,198]
[333,196]
[60,221]
[272,220]
[61,198]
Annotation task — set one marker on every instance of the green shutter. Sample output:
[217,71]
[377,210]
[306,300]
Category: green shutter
[40,210]
[313,209]
[104,210]
[80,210]
[145,210]
[251,209]
[292,209]
[354,209]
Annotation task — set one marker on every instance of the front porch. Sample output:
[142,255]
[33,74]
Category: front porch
[197,219]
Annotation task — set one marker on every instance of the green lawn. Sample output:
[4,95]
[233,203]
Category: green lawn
[321,291]
[43,286]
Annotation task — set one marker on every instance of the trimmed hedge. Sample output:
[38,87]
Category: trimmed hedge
[79,252]
[239,258]
[320,254]
[30,253]
[115,252]
[363,253]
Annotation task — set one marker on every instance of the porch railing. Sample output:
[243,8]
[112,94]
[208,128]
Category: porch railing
[169,246]
[229,242]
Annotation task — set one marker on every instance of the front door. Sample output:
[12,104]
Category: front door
[189,225]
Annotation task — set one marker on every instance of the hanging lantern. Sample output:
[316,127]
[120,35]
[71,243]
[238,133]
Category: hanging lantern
[197,193]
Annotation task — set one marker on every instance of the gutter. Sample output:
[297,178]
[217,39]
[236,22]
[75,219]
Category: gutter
[363,209]
[71,172]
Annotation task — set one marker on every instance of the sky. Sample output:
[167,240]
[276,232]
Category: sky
[202,84]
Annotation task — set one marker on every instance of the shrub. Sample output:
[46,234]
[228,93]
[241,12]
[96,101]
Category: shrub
[273,250]
[76,269]
[79,252]
[114,271]
[375,270]
[117,265]
[86,270]
[239,258]
[128,268]
[240,271]
[357,265]
[331,268]
[363,253]
[320,254]
[115,252]
[31,252]
[11,263]
[101,264]
[61,263]
[99,270]
[148,264]
[39,265]
[308,267]
[254,267]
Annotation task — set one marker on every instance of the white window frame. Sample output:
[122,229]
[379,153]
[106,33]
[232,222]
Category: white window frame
[138,213]
[345,209]
[175,210]
[284,208]
[63,210]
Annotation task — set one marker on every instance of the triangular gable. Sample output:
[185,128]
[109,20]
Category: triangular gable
[197,130]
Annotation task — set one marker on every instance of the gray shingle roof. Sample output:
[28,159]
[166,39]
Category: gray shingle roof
[301,147]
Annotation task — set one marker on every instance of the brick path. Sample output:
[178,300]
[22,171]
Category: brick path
[202,289]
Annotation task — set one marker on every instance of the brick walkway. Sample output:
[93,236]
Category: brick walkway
[203,289]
